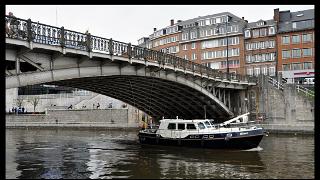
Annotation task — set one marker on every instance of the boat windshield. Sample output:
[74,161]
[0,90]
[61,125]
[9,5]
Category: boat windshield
[201,125]
[207,124]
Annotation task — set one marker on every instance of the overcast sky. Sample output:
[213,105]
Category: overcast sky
[128,23]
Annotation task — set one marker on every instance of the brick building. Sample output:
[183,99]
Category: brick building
[283,45]
[295,44]
[203,40]
[260,48]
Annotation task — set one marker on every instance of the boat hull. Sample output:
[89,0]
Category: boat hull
[245,142]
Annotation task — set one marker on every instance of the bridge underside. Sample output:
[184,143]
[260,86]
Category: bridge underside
[157,97]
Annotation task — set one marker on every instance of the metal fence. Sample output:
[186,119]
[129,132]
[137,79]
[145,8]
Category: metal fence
[59,36]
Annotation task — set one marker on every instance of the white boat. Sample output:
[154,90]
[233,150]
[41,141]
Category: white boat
[236,133]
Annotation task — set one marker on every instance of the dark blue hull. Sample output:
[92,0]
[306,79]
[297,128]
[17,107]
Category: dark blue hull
[240,142]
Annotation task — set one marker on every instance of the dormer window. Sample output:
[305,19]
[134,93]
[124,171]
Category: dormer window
[202,23]
[247,33]
[260,23]
[272,30]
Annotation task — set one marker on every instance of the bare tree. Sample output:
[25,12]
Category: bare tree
[34,101]
[19,102]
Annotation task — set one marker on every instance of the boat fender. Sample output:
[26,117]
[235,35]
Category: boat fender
[228,137]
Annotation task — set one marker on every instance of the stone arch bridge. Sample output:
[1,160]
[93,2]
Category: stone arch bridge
[157,83]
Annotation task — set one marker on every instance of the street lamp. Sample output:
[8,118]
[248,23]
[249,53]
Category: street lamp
[227,20]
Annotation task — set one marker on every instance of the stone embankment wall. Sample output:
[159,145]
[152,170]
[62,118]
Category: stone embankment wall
[109,118]
[285,110]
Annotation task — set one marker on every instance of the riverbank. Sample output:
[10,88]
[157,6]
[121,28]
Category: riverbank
[271,128]
[288,129]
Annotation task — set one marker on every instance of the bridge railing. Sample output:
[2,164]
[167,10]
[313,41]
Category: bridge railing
[59,36]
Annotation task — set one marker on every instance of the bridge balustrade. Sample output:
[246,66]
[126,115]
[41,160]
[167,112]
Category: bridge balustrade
[27,30]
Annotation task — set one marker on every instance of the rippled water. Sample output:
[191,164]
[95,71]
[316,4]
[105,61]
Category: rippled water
[117,154]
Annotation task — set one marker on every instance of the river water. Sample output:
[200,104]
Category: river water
[61,153]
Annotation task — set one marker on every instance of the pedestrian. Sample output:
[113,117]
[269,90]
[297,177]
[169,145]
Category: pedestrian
[93,105]
[98,106]
[13,25]
[22,109]
[12,109]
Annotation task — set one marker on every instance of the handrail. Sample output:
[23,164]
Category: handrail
[305,90]
[275,83]
[28,30]
[299,88]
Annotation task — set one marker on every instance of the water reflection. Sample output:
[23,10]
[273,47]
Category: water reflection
[117,154]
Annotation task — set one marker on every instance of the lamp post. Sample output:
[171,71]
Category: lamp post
[227,20]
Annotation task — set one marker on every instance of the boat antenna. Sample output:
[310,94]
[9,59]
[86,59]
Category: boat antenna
[205,111]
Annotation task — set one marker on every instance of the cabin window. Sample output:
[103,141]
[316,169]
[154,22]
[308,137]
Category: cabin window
[172,126]
[181,126]
[191,127]
[201,125]
[207,124]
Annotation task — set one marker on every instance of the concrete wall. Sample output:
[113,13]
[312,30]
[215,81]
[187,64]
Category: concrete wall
[11,96]
[75,118]
[285,109]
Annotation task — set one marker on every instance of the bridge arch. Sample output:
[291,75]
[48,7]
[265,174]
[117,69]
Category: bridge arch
[187,98]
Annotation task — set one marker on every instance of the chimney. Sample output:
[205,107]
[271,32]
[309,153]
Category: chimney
[172,22]
[242,18]
[154,29]
[276,15]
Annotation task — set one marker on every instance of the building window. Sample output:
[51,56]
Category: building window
[185,36]
[272,71]
[212,21]
[263,32]
[248,58]
[271,44]
[296,66]
[185,47]
[295,39]
[193,35]
[264,70]
[272,56]
[202,23]
[194,56]
[256,71]
[250,71]
[186,57]
[202,33]
[222,30]
[263,57]
[294,25]
[247,33]
[307,65]
[193,45]
[272,30]
[296,53]
[262,45]
[285,39]
[255,33]
[286,67]
[285,54]
[218,20]
[307,52]
[306,38]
